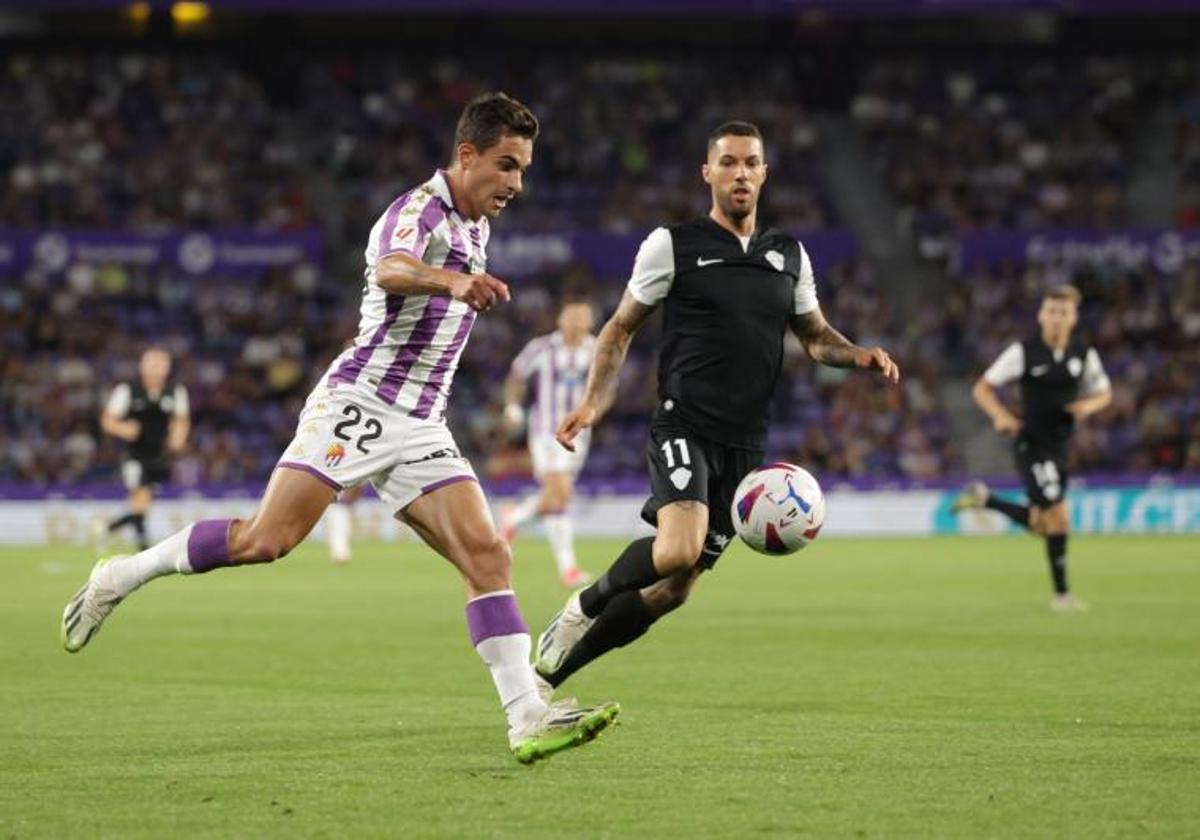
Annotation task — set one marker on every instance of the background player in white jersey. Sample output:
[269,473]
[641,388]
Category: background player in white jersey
[153,418]
[378,417]
[339,524]
[557,365]
[1062,380]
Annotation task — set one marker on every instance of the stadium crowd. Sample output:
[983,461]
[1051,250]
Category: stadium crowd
[1002,144]
[249,350]
[151,142]
[1146,327]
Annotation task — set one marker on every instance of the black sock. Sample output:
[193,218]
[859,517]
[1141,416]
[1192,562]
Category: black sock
[1056,551]
[631,571]
[1017,513]
[624,619]
[121,522]
[139,525]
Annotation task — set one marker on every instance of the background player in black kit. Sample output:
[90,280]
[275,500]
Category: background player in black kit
[730,291]
[1061,380]
[152,417]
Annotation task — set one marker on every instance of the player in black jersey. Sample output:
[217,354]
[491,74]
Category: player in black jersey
[730,290]
[152,417]
[1062,381]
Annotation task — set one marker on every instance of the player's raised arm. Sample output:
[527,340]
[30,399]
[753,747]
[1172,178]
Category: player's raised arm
[611,346]
[403,274]
[826,345]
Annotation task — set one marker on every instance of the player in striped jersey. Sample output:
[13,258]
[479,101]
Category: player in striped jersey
[557,365]
[378,416]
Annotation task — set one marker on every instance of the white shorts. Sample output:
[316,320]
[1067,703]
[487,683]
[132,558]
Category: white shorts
[549,456]
[345,437]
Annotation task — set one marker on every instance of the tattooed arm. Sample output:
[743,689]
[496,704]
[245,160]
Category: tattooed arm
[827,346]
[611,347]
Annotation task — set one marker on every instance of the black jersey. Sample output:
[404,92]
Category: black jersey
[153,412]
[1049,382]
[726,310]
[1048,386]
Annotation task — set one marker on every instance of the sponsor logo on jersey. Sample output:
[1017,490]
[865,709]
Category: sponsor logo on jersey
[1038,370]
[1075,366]
[701,262]
[775,259]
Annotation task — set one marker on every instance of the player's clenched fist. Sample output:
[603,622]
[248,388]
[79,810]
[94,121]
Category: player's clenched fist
[479,291]
[574,423]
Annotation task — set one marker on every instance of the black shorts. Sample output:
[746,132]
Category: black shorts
[685,467]
[151,472]
[1044,471]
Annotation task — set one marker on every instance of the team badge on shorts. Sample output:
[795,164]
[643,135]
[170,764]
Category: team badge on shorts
[334,454]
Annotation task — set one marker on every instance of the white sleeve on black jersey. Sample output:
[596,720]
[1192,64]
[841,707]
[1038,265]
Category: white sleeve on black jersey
[1094,379]
[118,401]
[654,268]
[1008,367]
[805,295]
[182,409]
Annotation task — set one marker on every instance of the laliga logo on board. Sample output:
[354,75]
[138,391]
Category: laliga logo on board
[52,251]
[334,454]
[197,253]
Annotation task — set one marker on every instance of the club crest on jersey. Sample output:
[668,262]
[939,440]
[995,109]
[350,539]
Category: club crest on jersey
[775,259]
[334,454]
[1074,366]
[680,477]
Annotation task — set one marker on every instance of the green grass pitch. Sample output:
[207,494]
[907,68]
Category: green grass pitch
[864,688]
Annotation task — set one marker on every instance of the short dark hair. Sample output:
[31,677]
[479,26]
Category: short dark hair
[738,128]
[490,116]
[1064,292]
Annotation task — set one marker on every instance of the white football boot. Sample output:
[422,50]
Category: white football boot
[560,635]
[544,690]
[87,610]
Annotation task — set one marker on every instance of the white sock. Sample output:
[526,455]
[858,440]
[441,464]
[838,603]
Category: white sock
[339,532]
[525,511]
[561,534]
[507,657]
[164,558]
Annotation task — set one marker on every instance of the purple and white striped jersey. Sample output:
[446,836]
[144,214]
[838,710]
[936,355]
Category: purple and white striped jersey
[408,347]
[559,376]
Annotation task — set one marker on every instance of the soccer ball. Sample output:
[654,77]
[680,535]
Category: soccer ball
[778,509]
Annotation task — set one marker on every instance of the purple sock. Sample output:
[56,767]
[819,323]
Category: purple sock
[494,614]
[208,545]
